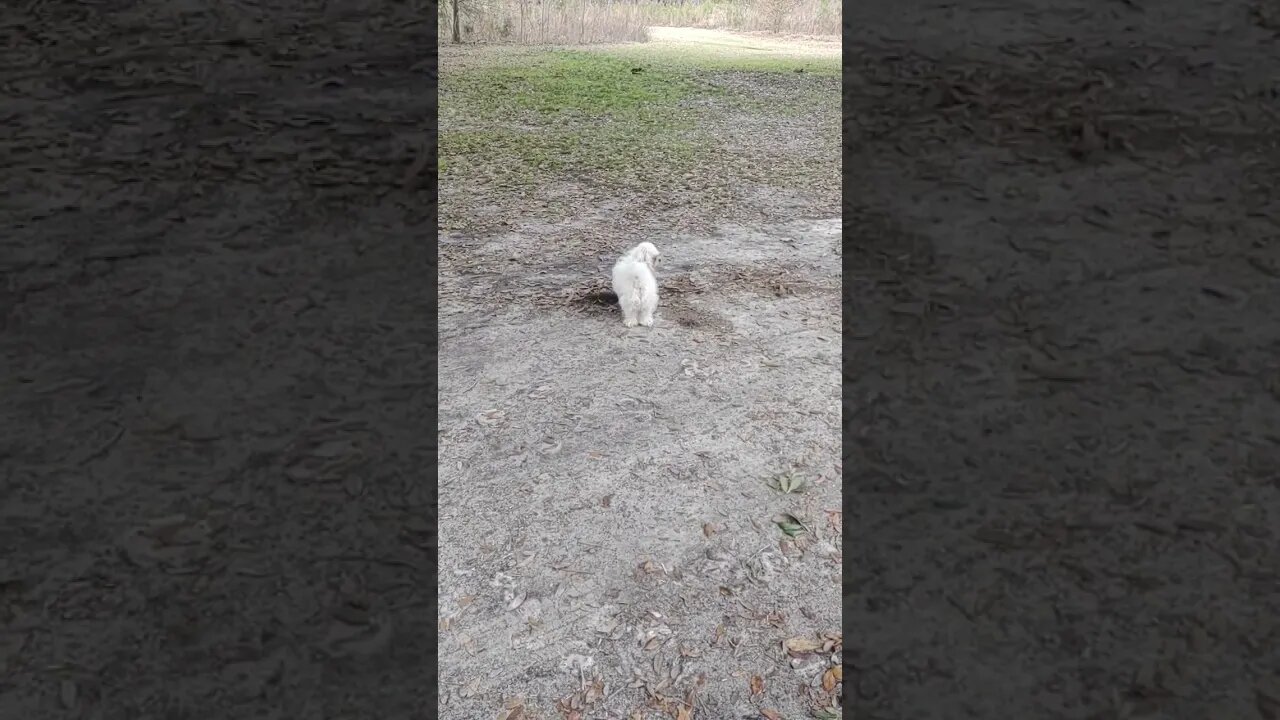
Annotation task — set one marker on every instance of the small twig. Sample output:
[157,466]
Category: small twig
[806,527]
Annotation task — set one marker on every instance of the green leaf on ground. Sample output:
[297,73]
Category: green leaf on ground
[788,482]
[790,524]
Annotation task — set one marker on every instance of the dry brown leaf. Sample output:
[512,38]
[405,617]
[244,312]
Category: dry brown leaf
[831,677]
[800,644]
[708,529]
[835,520]
[770,714]
[606,500]
[757,685]
[512,709]
[466,600]
[684,713]
[834,640]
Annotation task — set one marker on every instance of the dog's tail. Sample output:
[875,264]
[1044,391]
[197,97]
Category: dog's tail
[636,275]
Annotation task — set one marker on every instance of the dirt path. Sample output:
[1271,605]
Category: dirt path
[215,314]
[1062,271]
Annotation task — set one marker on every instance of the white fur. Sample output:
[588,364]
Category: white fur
[636,285]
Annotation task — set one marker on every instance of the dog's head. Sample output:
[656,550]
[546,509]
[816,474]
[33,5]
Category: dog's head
[647,253]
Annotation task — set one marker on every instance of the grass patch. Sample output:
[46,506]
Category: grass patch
[624,116]
[563,82]
[571,112]
[729,58]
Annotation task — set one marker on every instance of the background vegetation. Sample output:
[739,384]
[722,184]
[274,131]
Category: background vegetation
[580,22]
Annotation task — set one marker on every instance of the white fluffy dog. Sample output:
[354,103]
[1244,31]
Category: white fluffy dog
[636,285]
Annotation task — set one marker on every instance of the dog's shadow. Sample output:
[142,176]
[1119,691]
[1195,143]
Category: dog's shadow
[596,301]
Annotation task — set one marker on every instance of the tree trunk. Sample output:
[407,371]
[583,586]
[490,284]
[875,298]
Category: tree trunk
[457,34]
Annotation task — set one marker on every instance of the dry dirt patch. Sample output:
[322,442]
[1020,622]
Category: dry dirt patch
[606,504]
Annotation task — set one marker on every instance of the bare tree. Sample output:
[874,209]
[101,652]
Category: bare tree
[774,12]
[457,32]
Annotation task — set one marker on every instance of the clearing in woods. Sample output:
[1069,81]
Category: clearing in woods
[638,520]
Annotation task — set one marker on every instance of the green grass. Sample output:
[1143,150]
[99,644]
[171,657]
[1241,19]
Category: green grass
[733,58]
[565,112]
[589,115]
[573,83]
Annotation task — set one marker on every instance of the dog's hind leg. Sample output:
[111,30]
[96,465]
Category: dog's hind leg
[648,305]
[628,314]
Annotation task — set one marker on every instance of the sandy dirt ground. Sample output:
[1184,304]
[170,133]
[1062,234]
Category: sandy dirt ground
[607,531]
[606,513]
[216,310]
[1063,396]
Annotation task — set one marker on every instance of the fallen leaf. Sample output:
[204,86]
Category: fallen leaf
[834,640]
[757,685]
[708,529]
[512,709]
[770,714]
[606,500]
[466,600]
[684,713]
[789,524]
[787,482]
[831,677]
[800,645]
